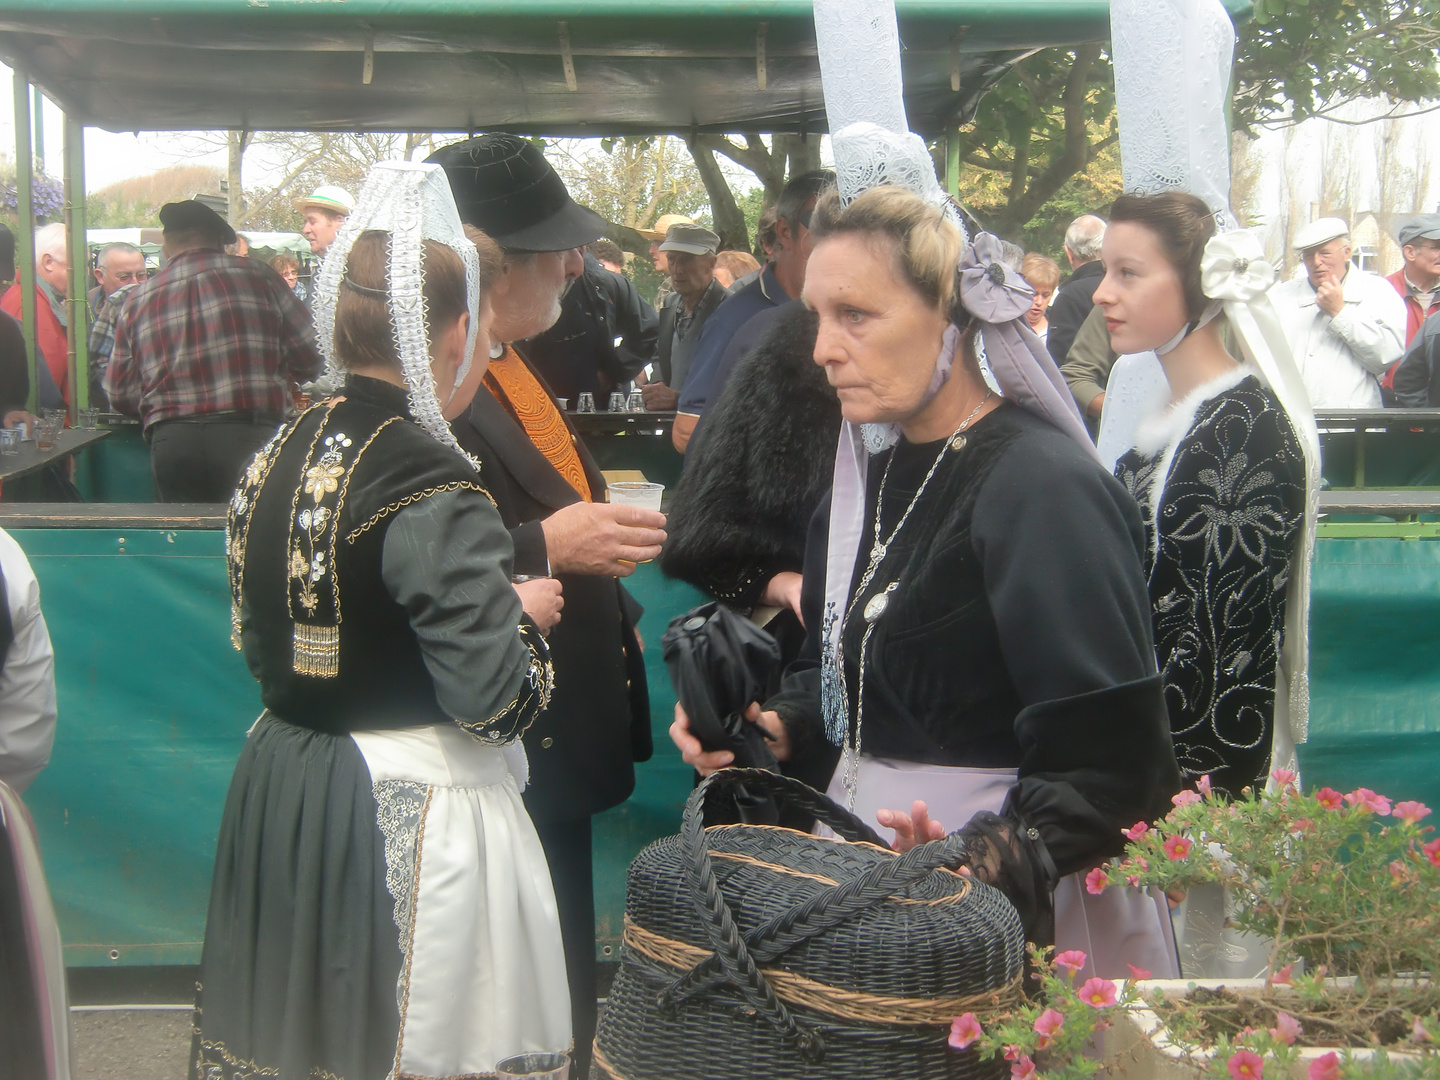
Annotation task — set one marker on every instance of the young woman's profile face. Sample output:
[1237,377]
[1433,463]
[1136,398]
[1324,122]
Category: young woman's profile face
[1141,293]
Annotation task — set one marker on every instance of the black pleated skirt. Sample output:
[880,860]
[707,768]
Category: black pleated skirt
[301,958]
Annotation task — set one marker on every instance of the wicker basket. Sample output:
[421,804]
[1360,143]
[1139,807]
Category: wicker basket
[759,952]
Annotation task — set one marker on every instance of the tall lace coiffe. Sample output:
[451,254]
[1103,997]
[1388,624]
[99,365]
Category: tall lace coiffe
[412,202]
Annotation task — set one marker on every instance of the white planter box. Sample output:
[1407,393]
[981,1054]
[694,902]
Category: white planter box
[1138,1047]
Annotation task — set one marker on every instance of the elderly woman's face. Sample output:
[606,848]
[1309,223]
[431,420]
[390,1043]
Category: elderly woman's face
[1141,292]
[878,338]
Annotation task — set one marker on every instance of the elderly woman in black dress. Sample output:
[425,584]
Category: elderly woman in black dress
[980,632]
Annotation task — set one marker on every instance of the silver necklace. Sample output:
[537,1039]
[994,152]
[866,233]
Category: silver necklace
[877,604]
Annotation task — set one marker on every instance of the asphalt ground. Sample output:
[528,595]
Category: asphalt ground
[130,1044]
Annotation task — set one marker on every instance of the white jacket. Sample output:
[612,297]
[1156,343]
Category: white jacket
[27,678]
[1341,358]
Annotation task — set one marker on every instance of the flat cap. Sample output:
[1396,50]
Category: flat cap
[192,216]
[1320,231]
[1419,227]
[691,239]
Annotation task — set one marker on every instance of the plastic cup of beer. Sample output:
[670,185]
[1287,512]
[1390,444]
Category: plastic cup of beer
[636,493]
[534,1067]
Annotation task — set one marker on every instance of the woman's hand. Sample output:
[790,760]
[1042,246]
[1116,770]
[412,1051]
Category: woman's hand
[542,600]
[705,761]
[911,829]
[783,590]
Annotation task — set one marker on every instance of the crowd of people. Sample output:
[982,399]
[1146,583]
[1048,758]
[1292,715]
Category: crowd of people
[984,627]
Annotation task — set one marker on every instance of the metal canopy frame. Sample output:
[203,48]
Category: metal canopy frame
[544,67]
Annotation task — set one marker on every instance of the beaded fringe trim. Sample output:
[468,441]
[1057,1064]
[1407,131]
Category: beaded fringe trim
[317,650]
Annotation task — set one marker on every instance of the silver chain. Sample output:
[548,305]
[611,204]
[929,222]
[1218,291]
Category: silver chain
[880,601]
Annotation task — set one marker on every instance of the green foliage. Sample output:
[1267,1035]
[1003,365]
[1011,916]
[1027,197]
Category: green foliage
[1304,57]
[632,181]
[752,205]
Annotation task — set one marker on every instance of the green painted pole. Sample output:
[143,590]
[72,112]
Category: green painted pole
[25,234]
[77,330]
[39,123]
[952,164]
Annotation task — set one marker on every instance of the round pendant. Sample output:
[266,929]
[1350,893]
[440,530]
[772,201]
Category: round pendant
[958,442]
[876,606]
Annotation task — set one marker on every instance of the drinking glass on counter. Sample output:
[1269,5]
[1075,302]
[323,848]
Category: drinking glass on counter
[617,402]
[636,402]
[587,403]
[47,431]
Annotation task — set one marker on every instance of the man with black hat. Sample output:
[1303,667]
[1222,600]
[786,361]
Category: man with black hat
[582,749]
[695,294]
[205,354]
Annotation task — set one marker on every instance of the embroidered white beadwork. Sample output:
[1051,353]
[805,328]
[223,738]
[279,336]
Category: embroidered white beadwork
[412,202]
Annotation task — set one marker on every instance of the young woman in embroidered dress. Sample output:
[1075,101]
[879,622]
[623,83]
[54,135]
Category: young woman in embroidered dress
[980,634]
[1220,476]
[381,904]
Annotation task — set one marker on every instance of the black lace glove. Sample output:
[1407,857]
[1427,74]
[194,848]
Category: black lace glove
[1007,854]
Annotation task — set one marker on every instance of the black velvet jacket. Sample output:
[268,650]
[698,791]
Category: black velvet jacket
[314,556]
[1018,634]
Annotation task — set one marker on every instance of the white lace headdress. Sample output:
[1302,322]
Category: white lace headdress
[1172,78]
[859,46]
[412,202]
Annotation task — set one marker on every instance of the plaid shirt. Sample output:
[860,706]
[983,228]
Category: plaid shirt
[211,333]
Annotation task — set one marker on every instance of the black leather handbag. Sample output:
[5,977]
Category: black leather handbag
[764,952]
[719,662]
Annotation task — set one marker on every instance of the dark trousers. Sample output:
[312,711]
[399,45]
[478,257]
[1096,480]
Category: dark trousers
[200,460]
[567,850]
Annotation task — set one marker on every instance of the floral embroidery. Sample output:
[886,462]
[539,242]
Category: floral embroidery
[322,479]
[1220,533]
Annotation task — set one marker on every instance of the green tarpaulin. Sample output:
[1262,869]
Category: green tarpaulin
[154,704]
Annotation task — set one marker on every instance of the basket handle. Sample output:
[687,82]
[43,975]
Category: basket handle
[735,955]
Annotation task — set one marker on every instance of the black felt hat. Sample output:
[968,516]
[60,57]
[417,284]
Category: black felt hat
[504,186]
[192,216]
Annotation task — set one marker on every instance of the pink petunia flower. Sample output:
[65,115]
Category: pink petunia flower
[1282,977]
[1176,848]
[1095,881]
[1136,831]
[1133,880]
[1419,1032]
[1138,972]
[1398,873]
[1098,993]
[1012,1053]
[1203,784]
[1302,825]
[1432,852]
[1246,1065]
[1185,798]
[1326,1067]
[1329,798]
[1286,1029]
[1047,1026]
[964,1030]
[1071,959]
[1023,1069]
[1365,799]
[1283,777]
[1410,811]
